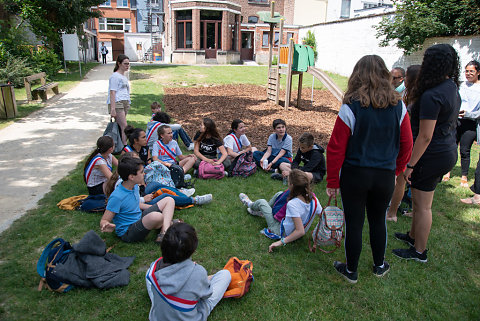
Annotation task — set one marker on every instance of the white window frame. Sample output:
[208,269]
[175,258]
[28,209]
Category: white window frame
[106,4]
[103,24]
[120,4]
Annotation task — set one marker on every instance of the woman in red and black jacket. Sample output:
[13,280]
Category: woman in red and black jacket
[371,142]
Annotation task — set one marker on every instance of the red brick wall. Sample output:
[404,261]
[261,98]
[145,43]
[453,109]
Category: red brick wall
[114,12]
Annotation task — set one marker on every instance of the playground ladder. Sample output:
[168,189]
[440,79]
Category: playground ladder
[273,84]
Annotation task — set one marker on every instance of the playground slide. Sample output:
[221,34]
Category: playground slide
[327,82]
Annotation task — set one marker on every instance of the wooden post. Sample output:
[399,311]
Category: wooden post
[288,90]
[277,90]
[299,94]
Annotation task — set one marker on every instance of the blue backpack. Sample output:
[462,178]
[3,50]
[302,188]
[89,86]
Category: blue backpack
[93,203]
[243,165]
[56,252]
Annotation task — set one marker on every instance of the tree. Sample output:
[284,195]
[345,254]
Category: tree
[310,40]
[48,18]
[417,20]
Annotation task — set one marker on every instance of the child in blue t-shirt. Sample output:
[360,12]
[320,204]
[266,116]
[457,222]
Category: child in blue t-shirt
[279,148]
[132,220]
[166,150]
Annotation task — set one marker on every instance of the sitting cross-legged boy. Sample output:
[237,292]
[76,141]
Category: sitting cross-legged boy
[132,220]
[312,157]
[279,148]
[178,287]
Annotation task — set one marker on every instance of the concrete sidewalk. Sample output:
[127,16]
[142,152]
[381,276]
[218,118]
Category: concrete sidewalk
[39,150]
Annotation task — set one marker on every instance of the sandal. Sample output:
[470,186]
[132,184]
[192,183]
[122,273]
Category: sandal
[159,238]
[391,219]
[463,182]
[470,200]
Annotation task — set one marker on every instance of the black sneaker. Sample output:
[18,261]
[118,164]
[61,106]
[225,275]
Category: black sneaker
[411,254]
[381,271]
[341,268]
[276,176]
[405,238]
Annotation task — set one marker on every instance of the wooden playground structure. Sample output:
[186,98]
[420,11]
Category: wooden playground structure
[293,59]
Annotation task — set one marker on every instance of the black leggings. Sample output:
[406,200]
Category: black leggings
[466,134]
[476,184]
[371,189]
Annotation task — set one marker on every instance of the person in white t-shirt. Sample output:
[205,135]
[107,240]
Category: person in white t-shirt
[104,52]
[167,151]
[236,142]
[118,99]
[302,206]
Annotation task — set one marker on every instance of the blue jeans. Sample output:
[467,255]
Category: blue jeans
[258,156]
[178,130]
[180,199]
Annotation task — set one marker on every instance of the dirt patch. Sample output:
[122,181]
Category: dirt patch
[248,102]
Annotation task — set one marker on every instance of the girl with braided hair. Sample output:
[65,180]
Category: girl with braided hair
[98,167]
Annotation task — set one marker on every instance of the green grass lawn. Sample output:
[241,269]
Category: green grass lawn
[65,83]
[290,284]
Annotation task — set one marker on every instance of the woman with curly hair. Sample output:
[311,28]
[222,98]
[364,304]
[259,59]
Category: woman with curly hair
[370,143]
[434,122]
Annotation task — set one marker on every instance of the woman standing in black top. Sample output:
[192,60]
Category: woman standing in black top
[434,119]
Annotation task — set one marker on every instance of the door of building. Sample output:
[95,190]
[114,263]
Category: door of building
[247,46]
[211,38]
[117,48]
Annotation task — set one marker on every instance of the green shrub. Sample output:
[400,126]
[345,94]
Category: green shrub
[45,60]
[275,60]
[13,69]
[310,40]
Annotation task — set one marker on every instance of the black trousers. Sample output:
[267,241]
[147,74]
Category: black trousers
[476,184]
[104,58]
[367,189]
[466,135]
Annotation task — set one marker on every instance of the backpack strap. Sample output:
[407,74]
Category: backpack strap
[313,209]
[42,261]
[167,150]
[175,302]
[152,130]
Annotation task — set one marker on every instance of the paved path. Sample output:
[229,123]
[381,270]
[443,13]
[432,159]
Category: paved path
[39,150]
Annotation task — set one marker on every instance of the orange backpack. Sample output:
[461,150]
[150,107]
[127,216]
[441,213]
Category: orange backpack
[242,277]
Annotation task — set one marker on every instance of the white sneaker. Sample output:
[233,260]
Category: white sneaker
[245,199]
[187,177]
[187,191]
[225,173]
[191,147]
[254,213]
[203,199]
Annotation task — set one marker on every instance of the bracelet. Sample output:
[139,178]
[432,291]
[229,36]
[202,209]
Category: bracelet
[410,166]
[283,241]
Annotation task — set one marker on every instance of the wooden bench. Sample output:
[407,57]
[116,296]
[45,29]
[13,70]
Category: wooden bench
[40,91]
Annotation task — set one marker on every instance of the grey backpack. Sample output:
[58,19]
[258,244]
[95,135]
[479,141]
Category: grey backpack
[113,130]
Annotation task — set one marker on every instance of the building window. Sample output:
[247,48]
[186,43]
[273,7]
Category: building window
[106,4]
[116,24]
[122,3]
[252,19]
[265,39]
[184,29]
[289,36]
[258,1]
[345,11]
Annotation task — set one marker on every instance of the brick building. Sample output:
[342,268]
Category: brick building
[225,31]
[118,18]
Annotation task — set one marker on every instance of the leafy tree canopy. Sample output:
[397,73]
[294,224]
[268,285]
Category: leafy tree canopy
[417,20]
[48,18]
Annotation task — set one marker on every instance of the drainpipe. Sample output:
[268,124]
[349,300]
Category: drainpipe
[170,32]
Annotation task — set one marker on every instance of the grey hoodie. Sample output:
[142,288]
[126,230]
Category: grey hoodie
[178,291]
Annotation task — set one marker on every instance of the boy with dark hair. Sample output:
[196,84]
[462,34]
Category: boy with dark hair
[178,287]
[132,220]
[312,157]
[279,148]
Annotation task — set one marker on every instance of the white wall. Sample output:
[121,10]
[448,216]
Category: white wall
[309,12]
[341,44]
[131,40]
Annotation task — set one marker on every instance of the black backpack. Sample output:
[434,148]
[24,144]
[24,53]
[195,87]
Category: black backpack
[178,177]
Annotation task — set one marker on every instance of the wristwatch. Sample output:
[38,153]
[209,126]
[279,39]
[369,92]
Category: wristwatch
[410,166]
[283,241]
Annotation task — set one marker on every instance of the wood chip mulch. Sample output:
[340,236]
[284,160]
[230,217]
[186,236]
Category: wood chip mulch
[223,103]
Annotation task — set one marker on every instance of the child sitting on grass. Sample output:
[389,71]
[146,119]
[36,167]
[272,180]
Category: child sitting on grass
[132,220]
[312,157]
[98,167]
[279,148]
[166,150]
[302,206]
[178,287]
[161,118]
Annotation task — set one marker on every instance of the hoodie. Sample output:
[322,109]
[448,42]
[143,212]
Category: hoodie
[178,291]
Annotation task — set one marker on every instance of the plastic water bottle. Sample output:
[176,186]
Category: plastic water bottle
[265,164]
